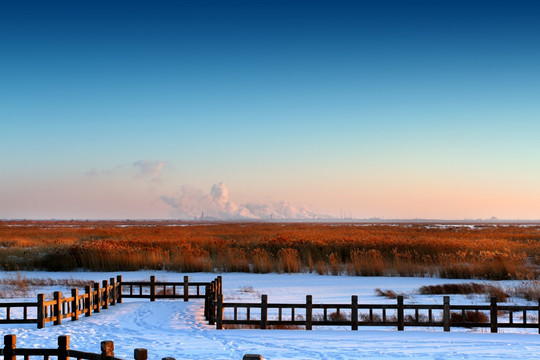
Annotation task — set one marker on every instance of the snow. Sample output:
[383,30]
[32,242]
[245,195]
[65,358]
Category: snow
[172,328]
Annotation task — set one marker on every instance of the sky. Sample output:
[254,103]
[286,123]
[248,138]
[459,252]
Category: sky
[269,109]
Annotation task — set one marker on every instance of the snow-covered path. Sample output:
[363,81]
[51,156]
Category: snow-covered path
[177,329]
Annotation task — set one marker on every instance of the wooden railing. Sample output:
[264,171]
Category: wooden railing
[266,315]
[10,351]
[109,293]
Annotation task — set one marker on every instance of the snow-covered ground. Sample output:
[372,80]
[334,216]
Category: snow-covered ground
[172,328]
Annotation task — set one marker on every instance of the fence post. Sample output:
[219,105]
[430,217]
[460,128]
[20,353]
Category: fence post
[75,304]
[211,307]
[220,284]
[105,297]
[446,313]
[97,297]
[107,349]
[186,288]
[9,346]
[264,311]
[219,316]
[119,288]
[539,315]
[113,292]
[206,294]
[493,314]
[354,312]
[140,354]
[400,316]
[63,347]
[152,288]
[40,311]
[58,307]
[309,312]
[88,301]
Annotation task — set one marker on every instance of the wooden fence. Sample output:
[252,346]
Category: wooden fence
[108,293]
[266,315]
[63,352]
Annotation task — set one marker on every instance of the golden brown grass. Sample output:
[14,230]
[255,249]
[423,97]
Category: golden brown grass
[492,252]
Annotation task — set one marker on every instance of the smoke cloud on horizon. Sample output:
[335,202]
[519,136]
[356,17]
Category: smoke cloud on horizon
[192,203]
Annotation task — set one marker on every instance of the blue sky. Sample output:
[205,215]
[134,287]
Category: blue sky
[395,109]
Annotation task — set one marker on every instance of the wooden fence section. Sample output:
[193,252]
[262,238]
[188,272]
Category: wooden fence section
[109,293]
[10,351]
[26,319]
[266,315]
[165,289]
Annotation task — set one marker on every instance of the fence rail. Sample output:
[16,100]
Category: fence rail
[108,293]
[266,315]
[10,351]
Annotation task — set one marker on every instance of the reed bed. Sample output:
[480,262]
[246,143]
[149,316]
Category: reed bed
[480,252]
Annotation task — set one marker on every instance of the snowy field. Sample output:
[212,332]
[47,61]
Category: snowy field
[172,328]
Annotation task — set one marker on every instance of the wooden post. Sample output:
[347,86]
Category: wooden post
[88,301]
[119,288]
[354,312]
[140,354]
[113,292]
[400,315]
[206,299]
[264,311]
[446,313]
[107,349]
[40,311]
[97,297]
[75,304]
[539,315]
[10,342]
[493,314]
[309,312]
[58,307]
[186,288]
[105,302]
[219,316]
[63,347]
[220,284]
[152,288]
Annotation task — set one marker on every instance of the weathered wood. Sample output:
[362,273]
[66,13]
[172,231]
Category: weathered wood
[354,312]
[309,312]
[186,288]
[75,304]
[88,301]
[97,298]
[493,314]
[119,288]
[140,354]
[107,349]
[252,357]
[113,291]
[58,307]
[63,347]
[105,297]
[446,313]
[219,315]
[10,342]
[264,311]
[40,311]
[400,315]
[152,288]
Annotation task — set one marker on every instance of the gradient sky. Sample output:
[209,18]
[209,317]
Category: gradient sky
[392,109]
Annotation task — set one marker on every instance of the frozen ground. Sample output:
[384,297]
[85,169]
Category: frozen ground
[177,329]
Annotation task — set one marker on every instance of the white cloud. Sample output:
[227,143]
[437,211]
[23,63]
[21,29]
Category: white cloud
[192,203]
